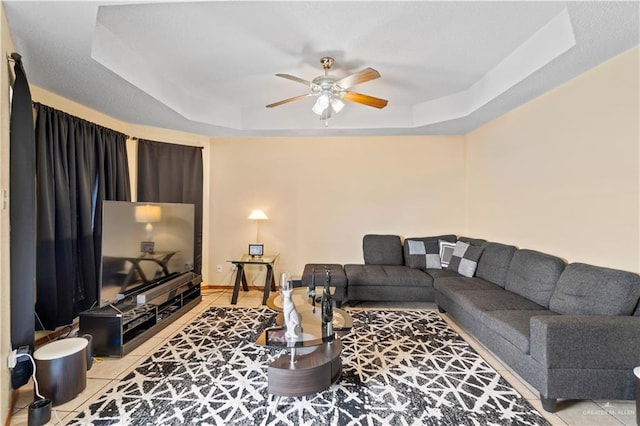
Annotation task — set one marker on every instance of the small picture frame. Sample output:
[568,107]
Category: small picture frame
[147,247]
[276,336]
[256,250]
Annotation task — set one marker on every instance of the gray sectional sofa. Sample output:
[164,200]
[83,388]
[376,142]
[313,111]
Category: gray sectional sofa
[570,330]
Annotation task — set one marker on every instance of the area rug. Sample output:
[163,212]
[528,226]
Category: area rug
[399,368]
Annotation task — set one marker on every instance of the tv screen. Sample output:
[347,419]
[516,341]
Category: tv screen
[143,244]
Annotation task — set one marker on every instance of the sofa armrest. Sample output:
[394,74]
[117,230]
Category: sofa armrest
[586,341]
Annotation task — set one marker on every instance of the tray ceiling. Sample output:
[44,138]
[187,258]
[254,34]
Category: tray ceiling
[209,67]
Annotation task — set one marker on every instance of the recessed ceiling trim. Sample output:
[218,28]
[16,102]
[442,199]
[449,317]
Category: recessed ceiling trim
[113,53]
[549,42]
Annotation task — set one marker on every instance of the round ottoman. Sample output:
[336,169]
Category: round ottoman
[338,279]
[61,369]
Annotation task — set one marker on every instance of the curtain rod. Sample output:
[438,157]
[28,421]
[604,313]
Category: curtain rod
[169,143]
[34,103]
[14,57]
[135,138]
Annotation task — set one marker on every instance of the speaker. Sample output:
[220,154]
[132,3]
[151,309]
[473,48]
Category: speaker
[21,373]
[39,412]
[89,339]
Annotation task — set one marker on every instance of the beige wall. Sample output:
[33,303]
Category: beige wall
[323,194]
[5,296]
[560,174]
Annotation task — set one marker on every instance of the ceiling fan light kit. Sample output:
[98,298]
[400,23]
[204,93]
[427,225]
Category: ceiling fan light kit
[321,104]
[331,92]
[336,104]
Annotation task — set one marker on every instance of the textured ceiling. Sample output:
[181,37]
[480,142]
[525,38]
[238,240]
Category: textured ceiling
[209,67]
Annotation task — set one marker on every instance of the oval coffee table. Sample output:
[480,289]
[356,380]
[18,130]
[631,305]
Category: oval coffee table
[312,363]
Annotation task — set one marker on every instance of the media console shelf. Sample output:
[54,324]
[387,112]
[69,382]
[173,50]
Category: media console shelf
[119,328]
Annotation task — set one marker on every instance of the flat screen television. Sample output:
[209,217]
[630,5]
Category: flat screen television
[143,245]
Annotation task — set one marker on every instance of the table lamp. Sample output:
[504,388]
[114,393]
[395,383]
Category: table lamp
[257,215]
[148,214]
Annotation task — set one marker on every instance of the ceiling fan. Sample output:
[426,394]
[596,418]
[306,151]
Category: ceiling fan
[331,91]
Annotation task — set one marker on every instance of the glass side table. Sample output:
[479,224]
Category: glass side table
[269,282]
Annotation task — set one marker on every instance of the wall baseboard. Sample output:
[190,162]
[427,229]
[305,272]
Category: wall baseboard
[227,287]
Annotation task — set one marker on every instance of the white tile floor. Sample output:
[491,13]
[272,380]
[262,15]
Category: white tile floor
[106,372]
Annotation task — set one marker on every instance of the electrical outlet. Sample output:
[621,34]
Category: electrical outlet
[12,360]
[218,268]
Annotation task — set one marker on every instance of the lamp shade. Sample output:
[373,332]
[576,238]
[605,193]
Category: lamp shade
[336,104]
[257,215]
[148,213]
[321,104]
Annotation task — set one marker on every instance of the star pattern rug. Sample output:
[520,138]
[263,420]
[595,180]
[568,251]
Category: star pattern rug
[399,368]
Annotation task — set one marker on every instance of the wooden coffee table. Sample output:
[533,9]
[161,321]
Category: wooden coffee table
[312,363]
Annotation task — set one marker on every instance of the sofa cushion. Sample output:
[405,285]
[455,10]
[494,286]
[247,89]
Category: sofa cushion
[494,262]
[456,283]
[382,250]
[534,275]
[593,290]
[464,259]
[424,253]
[472,241]
[513,325]
[478,301]
[386,275]
[441,273]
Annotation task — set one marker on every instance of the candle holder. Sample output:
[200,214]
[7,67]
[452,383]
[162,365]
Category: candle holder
[311,291]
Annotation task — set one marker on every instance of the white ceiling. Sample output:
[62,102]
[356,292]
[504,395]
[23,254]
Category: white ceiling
[209,67]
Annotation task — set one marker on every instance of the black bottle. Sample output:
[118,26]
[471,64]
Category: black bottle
[327,306]
[311,290]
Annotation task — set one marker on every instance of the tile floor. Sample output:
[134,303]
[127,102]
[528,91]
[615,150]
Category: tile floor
[108,371]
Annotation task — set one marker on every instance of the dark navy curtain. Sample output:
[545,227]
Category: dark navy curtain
[22,220]
[172,173]
[79,164]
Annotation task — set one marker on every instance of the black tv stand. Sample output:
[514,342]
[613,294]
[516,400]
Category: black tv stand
[112,306]
[119,328]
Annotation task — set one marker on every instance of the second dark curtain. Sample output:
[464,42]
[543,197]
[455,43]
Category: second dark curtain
[79,164]
[172,173]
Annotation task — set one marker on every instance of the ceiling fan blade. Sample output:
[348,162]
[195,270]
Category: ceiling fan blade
[286,101]
[357,78]
[294,78]
[365,99]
